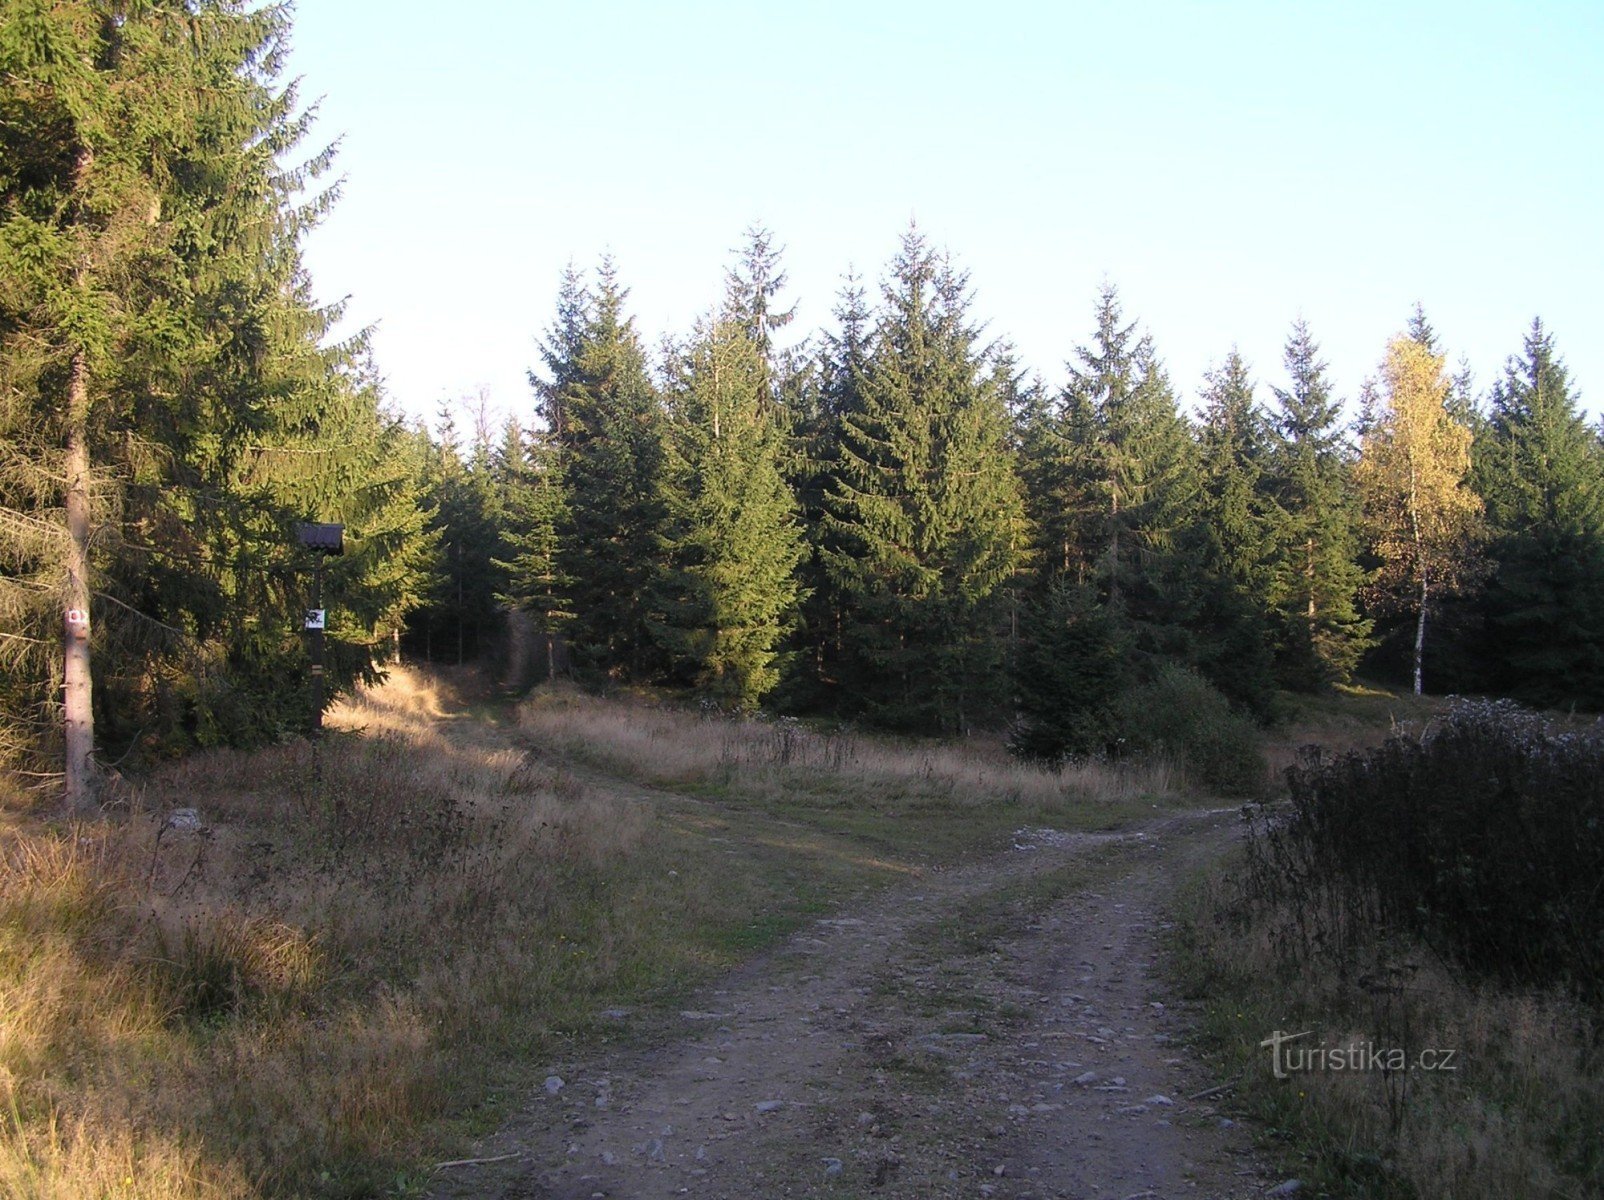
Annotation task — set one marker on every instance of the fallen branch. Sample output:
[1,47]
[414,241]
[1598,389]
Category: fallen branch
[1213,1091]
[475,1162]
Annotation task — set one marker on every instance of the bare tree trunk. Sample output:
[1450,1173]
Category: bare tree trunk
[1420,630]
[1113,553]
[1308,581]
[1425,572]
[79,712]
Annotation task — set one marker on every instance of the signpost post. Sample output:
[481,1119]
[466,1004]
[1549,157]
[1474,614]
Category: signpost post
[322,540]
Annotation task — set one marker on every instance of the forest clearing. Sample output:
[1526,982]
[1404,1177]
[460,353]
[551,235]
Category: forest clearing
[581,946]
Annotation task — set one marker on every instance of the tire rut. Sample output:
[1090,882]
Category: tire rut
[951,1038]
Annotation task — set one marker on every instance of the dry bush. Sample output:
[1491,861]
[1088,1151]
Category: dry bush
[1434,892]
[1483,837]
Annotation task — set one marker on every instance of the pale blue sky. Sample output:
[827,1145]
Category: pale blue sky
[1227,166]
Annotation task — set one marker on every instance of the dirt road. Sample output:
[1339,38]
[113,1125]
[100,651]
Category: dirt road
[998,1030]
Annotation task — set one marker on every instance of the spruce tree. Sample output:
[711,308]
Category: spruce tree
[1540,472]
[608,423]
[735,542]
[531,511]
[1234,506]
[459,621]
[1314,577]
[1231,547]
[168,394]
[1421,331]
[924,510]
[1129,477]
[752,290]
[1072,667]
[837,378]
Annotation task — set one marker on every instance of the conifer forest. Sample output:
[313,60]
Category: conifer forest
[890,520]
[755,757]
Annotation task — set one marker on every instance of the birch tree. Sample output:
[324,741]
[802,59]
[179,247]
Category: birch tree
[1413,469]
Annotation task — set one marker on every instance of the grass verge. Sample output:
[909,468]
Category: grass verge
[1517,1115]
[361,952]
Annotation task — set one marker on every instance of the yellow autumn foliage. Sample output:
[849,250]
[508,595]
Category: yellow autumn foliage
[1414,463]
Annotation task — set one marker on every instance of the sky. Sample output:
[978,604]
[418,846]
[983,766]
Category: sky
[1229,167]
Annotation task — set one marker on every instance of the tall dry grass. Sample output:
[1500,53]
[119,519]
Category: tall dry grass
[1518,1117]
[279,1002]
[772,760]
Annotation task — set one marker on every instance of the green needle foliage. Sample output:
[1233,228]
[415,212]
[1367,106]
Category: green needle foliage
[1073,666]
[609,424]
[1540,471]
[1314,571]
[1129,463]
[154,314]
[924,519]
[736,541]
[532,510]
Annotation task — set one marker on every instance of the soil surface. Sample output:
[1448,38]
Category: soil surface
[965,1034]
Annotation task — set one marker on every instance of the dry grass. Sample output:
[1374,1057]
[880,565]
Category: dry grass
[306,996]
[1519,1117]
[1352,717]
[950,798]
[317,992]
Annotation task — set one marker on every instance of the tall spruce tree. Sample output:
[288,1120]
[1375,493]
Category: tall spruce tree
[531,511]
[1540,472]
[458,621]
[924,512]
[1236,511]
[1231,546]
[736,542]
[1130,468]
[1315,576]
[836,391]
[1115,493]
[608,423]
[752,291]
[169,405]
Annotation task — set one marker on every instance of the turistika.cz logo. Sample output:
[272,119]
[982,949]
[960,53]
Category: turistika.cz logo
[1287,1060]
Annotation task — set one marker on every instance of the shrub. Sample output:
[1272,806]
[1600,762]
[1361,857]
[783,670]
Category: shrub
[1484,837]
[1180,715]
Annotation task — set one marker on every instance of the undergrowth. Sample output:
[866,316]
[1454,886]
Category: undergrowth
[1436,894]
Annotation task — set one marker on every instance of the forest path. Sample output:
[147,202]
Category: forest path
[999,1029]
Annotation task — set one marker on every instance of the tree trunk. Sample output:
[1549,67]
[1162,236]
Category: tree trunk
[1425,571]
[78,709]
[1420,631]
[1308,582]
[1113,552]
